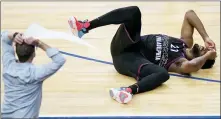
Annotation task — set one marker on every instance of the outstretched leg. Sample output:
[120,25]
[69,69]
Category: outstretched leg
[148,75]
[130,16]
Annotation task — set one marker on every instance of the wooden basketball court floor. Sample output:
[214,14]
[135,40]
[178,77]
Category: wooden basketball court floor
[81,86]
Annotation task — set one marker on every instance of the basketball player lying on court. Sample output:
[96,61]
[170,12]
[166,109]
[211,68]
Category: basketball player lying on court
[149,58]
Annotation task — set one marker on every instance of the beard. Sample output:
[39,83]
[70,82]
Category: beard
[196,50]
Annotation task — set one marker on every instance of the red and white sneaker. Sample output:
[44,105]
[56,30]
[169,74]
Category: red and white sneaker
[121,95]
[78,28]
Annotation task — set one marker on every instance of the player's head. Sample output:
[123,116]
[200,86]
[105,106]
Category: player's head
[198,51]
[25,52]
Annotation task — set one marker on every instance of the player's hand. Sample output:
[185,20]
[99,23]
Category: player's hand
[19,38]
[210,44]
[31,41]
[212,54]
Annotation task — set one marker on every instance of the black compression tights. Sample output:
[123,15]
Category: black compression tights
[151,76]
[130,16]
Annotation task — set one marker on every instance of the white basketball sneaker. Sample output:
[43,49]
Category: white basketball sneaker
[121,95]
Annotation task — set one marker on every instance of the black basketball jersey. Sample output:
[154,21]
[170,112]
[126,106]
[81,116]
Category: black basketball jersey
[161,49]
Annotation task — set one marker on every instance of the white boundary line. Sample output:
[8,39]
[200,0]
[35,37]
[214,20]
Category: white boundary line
[128,115]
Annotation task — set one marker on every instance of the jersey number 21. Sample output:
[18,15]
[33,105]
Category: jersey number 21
[174,48]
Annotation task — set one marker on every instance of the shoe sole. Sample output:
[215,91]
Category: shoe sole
[111,93]
[72,26]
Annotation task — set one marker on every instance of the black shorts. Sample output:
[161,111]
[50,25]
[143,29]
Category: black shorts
[126,55]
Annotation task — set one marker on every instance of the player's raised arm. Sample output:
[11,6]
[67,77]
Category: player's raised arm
[191,21]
